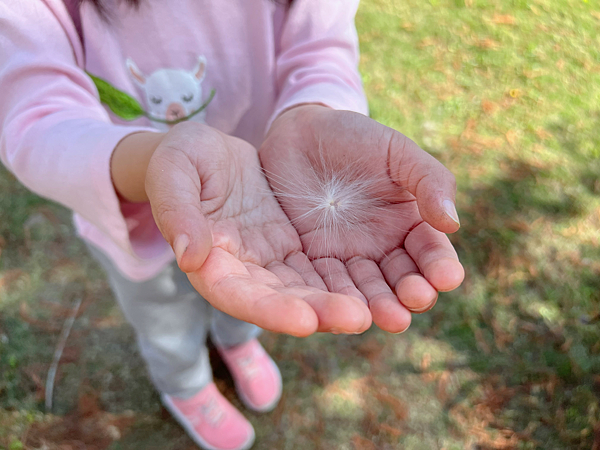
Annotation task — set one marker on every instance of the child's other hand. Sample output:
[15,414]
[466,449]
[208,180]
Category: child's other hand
[383,240]
[213,204]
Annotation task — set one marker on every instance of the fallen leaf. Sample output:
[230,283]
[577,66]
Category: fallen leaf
[596,445]
[10,277]
[489,107]
[398,406]
[512,137]
[370,350]
[391,430]
[504,19]
[425,362]
[427,42]
[442,386]
[543,134]
[107,322]
[488,43]
[360,443]
[481,343]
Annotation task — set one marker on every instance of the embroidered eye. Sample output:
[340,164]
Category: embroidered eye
[187,98]
[156,100]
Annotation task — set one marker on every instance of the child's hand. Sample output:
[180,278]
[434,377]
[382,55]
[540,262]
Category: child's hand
[370,206]
[213,204]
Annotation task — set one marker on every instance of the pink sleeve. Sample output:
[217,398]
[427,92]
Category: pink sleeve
[54,134]
[318,57]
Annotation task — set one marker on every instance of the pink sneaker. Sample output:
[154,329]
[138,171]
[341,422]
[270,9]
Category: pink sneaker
[257,378]
[211,421]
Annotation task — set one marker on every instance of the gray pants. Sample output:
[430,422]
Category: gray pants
[171,320]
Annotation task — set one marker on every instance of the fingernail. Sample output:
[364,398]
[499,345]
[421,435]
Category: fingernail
[180,246]
[400,332]
[424,308]
[451,210]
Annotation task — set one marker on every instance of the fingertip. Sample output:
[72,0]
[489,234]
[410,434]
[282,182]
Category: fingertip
[450,210]
[180,245]
[367,318]
[192,249]
[339,313]
[359,320]
[389,314]
[415,293]
[445,274]
[306,323]
[425,308]
[192,256]
[401,327]
[440,214]
[290,315]
[395,322]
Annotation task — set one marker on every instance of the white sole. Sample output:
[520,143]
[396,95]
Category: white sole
[189,428]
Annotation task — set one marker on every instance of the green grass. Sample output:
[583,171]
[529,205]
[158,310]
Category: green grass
[507,95]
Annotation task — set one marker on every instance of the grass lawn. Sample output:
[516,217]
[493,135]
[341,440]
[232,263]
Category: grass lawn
[507,95]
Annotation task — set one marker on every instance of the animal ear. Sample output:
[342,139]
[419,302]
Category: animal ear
[200,69]
[136,73]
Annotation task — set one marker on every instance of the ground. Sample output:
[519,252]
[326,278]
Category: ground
[507,95]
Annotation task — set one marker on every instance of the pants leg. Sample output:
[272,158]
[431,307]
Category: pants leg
[226,331]
[171,320]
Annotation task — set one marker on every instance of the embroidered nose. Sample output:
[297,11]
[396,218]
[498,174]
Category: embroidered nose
[175,111]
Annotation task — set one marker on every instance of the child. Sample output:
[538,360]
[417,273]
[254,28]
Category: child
[184,182]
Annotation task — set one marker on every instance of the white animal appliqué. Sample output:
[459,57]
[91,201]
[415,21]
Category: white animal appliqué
[171,94]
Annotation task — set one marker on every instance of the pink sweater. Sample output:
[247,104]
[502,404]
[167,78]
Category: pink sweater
[57,138]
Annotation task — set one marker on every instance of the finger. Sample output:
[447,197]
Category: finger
[412,289]
[337,313]
[388,313]
[173,187]
[336,277]
[226,284]
[302,265]
[427,179]
[436,258]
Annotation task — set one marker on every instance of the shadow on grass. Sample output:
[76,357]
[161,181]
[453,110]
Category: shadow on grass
[527,316]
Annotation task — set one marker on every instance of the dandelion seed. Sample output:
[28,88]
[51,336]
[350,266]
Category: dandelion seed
[343,208]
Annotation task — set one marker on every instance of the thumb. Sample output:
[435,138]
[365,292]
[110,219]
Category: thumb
[432,184]
[173,187]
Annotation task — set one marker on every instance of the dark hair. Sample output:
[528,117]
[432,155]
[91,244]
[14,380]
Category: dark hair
[101,7]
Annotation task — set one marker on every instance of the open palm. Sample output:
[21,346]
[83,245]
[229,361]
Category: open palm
[208,194]
[368,205]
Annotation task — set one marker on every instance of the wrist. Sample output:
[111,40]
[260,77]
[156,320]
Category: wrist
[129,164]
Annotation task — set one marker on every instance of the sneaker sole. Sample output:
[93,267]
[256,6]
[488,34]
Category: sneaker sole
[189,428]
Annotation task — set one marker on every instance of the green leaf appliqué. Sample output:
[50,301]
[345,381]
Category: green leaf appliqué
[126,107]
[119,102]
